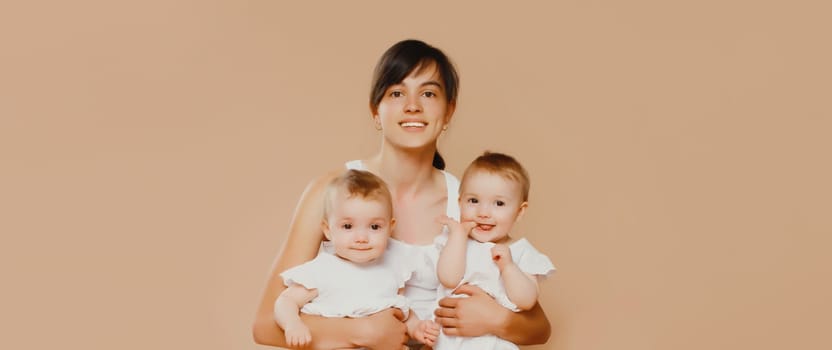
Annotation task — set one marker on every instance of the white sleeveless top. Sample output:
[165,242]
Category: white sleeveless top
[421,288]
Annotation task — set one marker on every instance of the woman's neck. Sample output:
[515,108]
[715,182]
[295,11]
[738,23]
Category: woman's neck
[406,172]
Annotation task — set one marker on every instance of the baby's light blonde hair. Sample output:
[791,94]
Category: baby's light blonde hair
[361,183]
[502,165]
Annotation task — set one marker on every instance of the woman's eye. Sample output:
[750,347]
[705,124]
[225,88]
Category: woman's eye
[473,200]
[347,226]
[429,94]
[375,226]
[500,203]
[396,94]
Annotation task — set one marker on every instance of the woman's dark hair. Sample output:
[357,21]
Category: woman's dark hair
[402,59]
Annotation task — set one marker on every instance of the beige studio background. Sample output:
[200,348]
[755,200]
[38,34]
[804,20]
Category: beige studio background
[152,153]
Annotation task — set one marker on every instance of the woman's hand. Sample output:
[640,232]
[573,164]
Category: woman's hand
[478,314]
[383,330]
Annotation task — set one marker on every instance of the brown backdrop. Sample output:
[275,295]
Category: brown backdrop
[152,153]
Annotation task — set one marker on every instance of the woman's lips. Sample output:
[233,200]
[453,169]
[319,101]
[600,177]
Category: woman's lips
[413,124]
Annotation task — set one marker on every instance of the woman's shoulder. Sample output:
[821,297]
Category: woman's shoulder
[317,185]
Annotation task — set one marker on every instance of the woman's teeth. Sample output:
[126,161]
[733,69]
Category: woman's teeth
[413,124]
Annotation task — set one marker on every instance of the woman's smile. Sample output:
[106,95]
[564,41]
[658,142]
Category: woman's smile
[412,125]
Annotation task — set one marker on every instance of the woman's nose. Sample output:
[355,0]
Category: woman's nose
[413,105]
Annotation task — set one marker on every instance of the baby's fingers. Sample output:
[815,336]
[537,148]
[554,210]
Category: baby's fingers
[297,341]
[429,340]
[467,226]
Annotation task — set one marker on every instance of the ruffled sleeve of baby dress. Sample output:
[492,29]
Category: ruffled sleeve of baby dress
[530,260]
[308,274]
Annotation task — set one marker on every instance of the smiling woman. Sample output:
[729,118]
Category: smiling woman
[412,100]
[416,110]
[412,76]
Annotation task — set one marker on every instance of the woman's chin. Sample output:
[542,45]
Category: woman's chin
[414,142]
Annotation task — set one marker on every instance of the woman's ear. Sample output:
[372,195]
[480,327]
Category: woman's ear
[373,111]
[325,229]
[450,112]
[376,121]
[521,211]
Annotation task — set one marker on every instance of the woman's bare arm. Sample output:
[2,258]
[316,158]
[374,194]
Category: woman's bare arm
[301,245]
[480,314]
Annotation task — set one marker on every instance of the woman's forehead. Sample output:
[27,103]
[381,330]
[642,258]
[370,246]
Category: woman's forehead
[426,70]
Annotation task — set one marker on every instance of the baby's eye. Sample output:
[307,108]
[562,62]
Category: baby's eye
[429,94]
[375,226]
[500,203]
[396,94]
[347,226]
[473,200]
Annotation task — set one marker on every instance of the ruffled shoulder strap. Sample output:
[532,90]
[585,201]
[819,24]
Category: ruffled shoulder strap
[355,165]
[452,184]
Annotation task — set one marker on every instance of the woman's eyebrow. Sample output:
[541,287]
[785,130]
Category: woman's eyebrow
[432,82]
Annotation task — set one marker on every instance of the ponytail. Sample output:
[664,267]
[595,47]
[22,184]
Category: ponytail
[438,161]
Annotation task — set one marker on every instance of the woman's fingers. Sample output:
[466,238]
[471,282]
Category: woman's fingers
[452,331]
[399,314]
[448,302]
[447,322]
[445,312]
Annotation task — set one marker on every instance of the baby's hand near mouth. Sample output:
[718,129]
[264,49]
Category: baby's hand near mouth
[501,254]
[455,227]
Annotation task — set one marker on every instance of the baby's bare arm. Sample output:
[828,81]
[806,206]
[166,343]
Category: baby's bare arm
[286,310]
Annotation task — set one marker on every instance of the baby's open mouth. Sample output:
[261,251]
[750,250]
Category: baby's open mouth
[485,227]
